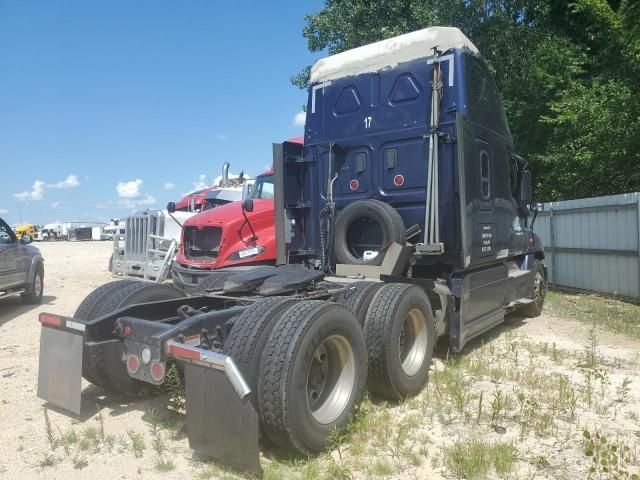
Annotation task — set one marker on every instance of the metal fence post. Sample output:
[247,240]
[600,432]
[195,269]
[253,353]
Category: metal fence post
[638,292]
[553,249]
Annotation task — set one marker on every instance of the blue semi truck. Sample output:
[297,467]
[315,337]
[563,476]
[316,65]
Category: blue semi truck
[407,175]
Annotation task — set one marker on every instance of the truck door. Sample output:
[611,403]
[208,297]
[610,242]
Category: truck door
[10,275]
[487,210]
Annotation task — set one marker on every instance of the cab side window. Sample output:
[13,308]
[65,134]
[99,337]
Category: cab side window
[6,234]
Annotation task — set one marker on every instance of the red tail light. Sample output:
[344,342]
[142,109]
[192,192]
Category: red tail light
[157,371]
[48,319]
[133,364]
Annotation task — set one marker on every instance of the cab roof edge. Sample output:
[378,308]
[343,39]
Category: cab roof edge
[389,53]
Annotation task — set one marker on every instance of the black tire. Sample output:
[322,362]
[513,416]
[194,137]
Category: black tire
[92,302]
[540,288]
[34,294]
[399,311]
[88,310]
[358,298]
[290,355]
[372,219]
[112,369]
[215,281]
[248,336]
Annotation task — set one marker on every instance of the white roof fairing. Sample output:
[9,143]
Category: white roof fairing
[389,53]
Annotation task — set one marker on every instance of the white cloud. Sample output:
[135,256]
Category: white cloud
[299,119]
[70,182]
[37,190]
[55,205]
[130,189]
[222,137]
[130,196]
[3,211]
[199,184]
[145,200]
[169,186]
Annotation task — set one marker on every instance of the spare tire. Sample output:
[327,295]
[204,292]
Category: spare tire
[366,225]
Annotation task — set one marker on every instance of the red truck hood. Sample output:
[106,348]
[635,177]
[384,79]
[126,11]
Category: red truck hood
[229,213]
[234,236]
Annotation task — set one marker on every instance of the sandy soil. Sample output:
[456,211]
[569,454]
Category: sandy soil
[73,270]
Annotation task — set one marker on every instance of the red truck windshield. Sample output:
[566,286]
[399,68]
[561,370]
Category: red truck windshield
[263,188]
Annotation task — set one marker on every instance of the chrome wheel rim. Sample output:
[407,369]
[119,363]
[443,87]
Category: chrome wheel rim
[330,379]
[37,286]
[413,342]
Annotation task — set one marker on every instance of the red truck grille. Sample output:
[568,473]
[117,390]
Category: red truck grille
[202,244]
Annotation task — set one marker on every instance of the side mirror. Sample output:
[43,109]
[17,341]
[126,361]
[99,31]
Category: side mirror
[525,187]
[26,239]
[247,205]
[246,190]
[536,207]
[171,207]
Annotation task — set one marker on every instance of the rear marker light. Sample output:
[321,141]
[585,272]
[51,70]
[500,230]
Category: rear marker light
[178,351]
[354,184]
[133,364]
[157,371]
[52,320]
[398,180]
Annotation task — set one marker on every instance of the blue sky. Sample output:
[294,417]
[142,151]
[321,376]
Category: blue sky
[102,104]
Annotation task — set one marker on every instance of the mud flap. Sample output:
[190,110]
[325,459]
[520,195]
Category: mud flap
[60,368]
[220,423]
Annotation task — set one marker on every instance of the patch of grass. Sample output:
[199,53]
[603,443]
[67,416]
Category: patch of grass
[164,465]
[615,315]
[137,443]
[472,459]
[47,460]
[277,470]
[79,462]
[609,459]
[90,438]
[51,438]
[451,387]
[381,468]
[173,386]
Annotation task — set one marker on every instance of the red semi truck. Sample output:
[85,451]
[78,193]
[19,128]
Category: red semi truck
[219,242]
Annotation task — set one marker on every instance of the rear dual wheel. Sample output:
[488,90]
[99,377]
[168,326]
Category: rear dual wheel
[312,374]
[400,335]
[103,364]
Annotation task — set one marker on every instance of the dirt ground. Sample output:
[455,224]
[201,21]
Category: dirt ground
[535,385]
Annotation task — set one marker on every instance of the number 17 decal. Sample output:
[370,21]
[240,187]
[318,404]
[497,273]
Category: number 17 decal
[367,122]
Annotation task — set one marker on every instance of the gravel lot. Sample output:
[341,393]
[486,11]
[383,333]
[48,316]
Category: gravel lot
[105,445]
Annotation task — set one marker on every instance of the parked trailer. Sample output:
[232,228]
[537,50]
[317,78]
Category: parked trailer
[409,131]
